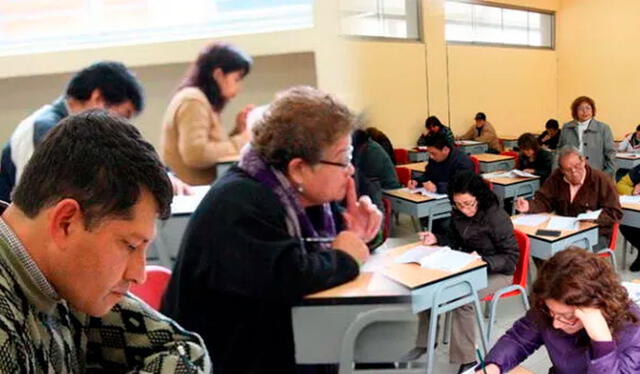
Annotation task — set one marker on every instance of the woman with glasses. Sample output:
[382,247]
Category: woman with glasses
[590,136]
[582,315]
[267,234]
[479,225]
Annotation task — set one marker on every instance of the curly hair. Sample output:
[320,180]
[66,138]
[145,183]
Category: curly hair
[466,181]
[583,279]
[528,141]
[576,103]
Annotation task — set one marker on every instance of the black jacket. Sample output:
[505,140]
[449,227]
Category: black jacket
[542,164]
[239,272]
[490,233]
[439,173]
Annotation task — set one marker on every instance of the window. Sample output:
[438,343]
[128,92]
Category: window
[485,24]
[395,19]
[38,25]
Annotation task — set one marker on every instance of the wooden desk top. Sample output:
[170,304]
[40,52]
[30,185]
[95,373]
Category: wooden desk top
[627,156]
[415,166]
[510,181]
[530,230]
[410,196]
[490,157]
[634,206]
[228,159]
[509,137]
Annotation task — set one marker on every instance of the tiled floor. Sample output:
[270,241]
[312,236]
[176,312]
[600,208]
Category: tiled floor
[509,309]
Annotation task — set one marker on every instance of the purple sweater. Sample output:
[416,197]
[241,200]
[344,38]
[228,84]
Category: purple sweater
[570,354]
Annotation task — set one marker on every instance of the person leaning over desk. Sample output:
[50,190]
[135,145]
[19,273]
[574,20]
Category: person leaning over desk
[581,314]
[267,234]
[72,243]
[630,185]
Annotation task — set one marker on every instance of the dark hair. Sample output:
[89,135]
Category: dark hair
[116,84]
[431,122]
[576,103]
[216,55]
[437,140]
[552,124]
[638,128]
[528,141]
[481,116]
[466,181]
[301,122]
[97,159]
[581,278]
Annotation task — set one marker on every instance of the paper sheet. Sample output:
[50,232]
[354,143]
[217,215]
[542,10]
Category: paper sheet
[417,253]
[530,219]
[187,204]
[589,216]
[426,193]
[634,291]
[515,173]
[562,223]
[448,260]
[627,154]
[630,199]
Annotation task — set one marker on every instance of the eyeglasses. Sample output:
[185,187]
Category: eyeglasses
[347,161]
[585,107]
[466,204]
[571,320]
[572,170]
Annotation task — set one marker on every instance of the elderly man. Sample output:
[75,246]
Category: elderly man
[72,242]
[576,188]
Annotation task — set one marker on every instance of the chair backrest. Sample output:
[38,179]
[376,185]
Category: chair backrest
[152,289]
[514,155]
[522,268]
[614,236]
[476,163]
[386,228]
[401,155]
[404,175]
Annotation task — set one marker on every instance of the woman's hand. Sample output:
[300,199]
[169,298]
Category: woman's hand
[362,216]
[349,242]
[241,120]
[594,323]
[412,184]
[636,189]
[491,369]
[428,238]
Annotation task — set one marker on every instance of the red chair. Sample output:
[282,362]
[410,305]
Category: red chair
[514,154]
[404,175]
[476,164]
[152,289]
[608,252]
[386,228]
[401,155]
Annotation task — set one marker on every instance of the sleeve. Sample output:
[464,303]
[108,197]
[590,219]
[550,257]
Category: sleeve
[610,164]
[625,185]
[624,358]
[541,136]
[422,140]
[382,167]
[625,145]
[12,350]
[505,245]
[196,147]
[610,203]
[543,198]
[518,343]
[469,135]
[488,134]
[134,338]
[451,237]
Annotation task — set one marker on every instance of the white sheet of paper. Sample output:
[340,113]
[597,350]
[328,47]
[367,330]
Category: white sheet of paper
[634,291]
[522,173]
[448,260]
[187,204]
[562,223]
[629,199]
[426,193]
[589,216]
[530,219]
[627,154]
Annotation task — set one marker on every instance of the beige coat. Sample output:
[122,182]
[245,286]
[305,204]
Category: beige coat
[487,135]
[193,139]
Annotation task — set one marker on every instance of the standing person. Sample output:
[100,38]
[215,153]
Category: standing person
[479,225]
[581,314]
[193,138]
[265,235]
[590,136]
[483,131]
[72,243]
[534,159]
[433,126]
[551,135]
[103,85]
[631,143]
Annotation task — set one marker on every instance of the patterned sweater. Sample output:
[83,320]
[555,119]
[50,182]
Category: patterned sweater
[41,333]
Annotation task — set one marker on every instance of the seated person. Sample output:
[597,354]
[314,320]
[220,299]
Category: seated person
[72,243]
[534,159]
[265,235]
[574,188]
[483,131]
[444,162]
[581,314]
[382,139]
[433,126]
[631,142]
[549,138]
[478,225]
[630,185]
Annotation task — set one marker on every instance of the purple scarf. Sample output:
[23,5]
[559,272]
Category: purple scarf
[299,224]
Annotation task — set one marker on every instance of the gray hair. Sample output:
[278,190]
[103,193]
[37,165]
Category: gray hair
[568,150]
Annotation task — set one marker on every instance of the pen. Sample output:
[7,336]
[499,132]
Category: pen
[319,240]
[481,361]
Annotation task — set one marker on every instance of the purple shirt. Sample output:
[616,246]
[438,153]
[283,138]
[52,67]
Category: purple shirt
[570,354]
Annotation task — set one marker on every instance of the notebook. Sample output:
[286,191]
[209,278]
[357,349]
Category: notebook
[437,258]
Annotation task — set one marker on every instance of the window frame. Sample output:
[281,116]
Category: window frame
[419,39]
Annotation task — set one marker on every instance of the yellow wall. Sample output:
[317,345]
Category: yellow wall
[597,43]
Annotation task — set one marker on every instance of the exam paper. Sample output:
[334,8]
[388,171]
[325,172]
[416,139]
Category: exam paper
[629,199]
[589,216]
[634,291]
[530,219]
[426,193]
[562,223]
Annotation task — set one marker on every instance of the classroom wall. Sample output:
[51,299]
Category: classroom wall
[598,57]
[23,95]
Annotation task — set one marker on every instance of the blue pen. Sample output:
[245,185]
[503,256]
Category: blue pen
[481,361]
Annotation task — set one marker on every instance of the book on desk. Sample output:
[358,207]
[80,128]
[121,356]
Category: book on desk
[438,258]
